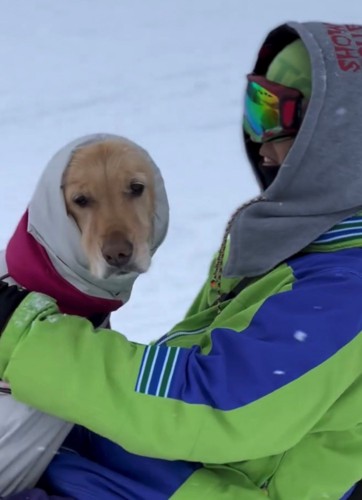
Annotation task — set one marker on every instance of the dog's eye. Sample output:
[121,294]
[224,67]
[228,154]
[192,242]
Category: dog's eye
[137,188]
[81,200]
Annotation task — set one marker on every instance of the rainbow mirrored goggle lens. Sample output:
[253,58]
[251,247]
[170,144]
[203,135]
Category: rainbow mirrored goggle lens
[270,110]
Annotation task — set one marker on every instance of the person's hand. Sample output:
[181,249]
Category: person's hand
[10,297]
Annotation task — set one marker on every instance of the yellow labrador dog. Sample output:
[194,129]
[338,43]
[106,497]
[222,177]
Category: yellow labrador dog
[98,214]
[109,190]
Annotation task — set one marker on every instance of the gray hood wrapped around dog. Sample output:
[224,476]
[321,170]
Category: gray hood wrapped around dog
[320,181]
[58,233]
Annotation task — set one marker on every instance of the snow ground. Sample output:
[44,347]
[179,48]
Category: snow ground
[168,75]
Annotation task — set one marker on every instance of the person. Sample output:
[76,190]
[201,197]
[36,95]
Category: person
[257,391]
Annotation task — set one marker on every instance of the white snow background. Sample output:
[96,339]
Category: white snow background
[167,74]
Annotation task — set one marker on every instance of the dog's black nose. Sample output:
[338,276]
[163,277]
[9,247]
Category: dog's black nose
[116,250]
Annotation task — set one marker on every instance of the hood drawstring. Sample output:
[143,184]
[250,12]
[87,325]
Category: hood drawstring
[217,274]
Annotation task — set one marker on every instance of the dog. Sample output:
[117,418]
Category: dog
[97,216]
[109,191]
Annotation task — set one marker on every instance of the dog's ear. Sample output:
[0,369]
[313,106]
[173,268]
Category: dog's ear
[64,177]
[63,183]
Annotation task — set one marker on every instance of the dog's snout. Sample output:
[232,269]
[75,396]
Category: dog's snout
[117,250]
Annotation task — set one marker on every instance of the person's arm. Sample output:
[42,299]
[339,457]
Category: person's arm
[254,388]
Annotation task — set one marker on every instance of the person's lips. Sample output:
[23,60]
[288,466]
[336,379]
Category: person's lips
[269,162]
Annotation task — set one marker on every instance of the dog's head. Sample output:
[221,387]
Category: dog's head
[109,190]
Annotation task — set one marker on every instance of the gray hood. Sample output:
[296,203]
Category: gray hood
[320,181]
[50,225]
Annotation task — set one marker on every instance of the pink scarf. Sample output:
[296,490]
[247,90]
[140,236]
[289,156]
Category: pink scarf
[29,265]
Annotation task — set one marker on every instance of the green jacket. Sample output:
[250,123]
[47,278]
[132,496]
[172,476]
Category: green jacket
[267,394]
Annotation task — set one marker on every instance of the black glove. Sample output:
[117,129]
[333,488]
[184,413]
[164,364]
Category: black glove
[10,298]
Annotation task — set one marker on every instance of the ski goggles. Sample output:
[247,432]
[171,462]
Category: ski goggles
[271,110]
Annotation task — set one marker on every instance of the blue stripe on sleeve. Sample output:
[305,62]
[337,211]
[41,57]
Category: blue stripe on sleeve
[292,333]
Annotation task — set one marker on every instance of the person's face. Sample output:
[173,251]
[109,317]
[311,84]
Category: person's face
[273,153]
